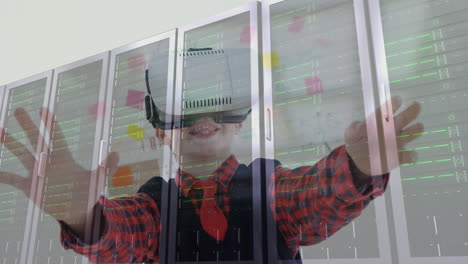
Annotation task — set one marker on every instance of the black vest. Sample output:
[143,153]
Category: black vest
[193,243]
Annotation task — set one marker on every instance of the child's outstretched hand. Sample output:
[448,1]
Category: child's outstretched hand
[356,137]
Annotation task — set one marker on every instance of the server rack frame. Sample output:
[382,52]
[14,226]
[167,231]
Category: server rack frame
[254,9]
[36,180]
[44,155]
[370,105]
[391,151]
[167,157]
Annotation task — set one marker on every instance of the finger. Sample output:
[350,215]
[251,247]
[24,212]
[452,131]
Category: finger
[407,116]
[15,181]
[395,102]
[28,126]
[111,163]
[58,139]
[408,157]
[19,150]
[409,134]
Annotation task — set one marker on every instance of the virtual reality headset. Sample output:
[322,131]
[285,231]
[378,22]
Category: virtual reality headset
[215,83]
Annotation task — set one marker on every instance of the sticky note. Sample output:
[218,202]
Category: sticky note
[137,63]
[246,34]
[135,99]
[313,85]
[271,60]
[297,25]
[135,132]
[122,177]
[94,109]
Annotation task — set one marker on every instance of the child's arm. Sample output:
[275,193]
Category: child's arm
[314,202]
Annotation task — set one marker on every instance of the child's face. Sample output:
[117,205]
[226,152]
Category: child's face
[205,138]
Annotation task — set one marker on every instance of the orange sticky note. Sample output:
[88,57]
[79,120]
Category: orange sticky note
[122,177]
[135,132]
[271,60]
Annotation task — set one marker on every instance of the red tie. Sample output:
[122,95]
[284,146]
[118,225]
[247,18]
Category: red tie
[212,218]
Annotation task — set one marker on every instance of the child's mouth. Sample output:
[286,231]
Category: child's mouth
[204,129]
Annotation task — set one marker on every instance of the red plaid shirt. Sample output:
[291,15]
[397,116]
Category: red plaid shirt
[312,203]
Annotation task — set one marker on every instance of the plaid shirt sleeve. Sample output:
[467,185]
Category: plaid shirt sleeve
[131,232]
[314,202]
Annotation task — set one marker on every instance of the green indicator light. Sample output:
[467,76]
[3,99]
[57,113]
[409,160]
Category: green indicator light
[426,61]
[282,153]
[406,164]
[438,131]
[409,179]
[429,74]
[121,108]
[446,175]
[426,48]
[127,116]
[57,186]
[423,133]
[443,160]
[439,146]
[396,81]
[56,195]
[394,68]
[58,204]
[310,149]
[405,150]
[121,187]
[413,77]
[412,64]
[425,35]
[287,13]
[428,177]
[7,193]
[424,162]
[57,214]
[296,151]
[280,93]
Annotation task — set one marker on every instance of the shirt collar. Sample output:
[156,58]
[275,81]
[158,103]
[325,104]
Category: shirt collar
[223,175]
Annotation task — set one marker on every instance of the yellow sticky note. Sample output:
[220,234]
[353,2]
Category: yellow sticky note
[271,60]
[135,132]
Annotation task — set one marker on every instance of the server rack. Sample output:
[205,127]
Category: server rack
[232,38]
[18,211]
[317,80]
[420,50]
[74,105]
[126,129]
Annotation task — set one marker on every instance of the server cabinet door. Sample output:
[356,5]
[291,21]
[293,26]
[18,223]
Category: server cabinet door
[424,49]
[128,132]
[21,139]
[217,82]
[317,83]
[75,124]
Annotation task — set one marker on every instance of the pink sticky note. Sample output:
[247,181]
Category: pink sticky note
[246,34]
[313,85]
[137,62]
[135,99]
[94,109]
[297,25]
